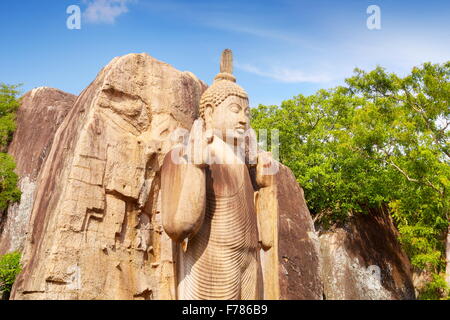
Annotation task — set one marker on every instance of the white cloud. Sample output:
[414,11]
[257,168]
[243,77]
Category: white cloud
[104,11]
[286,74]
[396,51]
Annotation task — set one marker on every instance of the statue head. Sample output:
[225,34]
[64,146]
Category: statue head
[224,105]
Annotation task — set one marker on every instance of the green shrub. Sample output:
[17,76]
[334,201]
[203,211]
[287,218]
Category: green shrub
[437,289]
[9,269]
[9,103]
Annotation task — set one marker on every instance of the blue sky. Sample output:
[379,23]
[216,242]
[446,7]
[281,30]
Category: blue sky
[281,48]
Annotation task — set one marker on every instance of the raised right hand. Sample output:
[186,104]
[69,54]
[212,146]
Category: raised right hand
[196,151]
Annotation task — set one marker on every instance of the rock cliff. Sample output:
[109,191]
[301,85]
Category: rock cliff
[295,269]
[95,226]
[41,112]
[363,260]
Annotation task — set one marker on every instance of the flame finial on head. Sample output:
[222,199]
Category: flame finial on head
[226,67]
[226,63]
[224,85]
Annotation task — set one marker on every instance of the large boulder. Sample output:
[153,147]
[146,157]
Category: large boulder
[295,269]
[290,253]
[363,260]
[41,112]
[95,229]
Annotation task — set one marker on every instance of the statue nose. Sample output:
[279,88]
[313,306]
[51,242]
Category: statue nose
[243,122]
[243,119]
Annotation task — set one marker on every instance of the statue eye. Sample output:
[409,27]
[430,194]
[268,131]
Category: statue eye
[235,108]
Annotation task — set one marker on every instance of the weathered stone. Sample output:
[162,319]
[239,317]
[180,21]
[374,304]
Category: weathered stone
[298,256]
[41,112]
[363,260]
[95,224]
[208,203]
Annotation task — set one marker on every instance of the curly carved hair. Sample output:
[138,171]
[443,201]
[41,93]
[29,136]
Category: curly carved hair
[218,92]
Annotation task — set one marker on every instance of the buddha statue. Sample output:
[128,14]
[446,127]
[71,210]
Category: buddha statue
[208,197]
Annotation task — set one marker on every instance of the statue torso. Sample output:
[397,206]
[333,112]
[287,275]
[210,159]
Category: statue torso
[222,260]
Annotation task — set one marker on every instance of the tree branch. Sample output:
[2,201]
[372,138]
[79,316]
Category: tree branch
[422,112]
[427,182]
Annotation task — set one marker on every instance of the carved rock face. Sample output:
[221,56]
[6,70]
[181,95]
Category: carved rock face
[95,226]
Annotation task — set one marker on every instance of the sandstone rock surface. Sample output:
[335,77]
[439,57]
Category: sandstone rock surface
[291,268]
[41,112]
[95,226]
[298,243]
[363,260]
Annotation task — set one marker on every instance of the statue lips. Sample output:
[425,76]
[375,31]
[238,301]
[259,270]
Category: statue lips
[240,130]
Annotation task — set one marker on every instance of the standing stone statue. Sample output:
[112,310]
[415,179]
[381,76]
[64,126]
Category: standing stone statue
[208,193]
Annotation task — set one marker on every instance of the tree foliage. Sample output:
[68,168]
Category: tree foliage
[436,289]
[8,107]
[9,268]
[379,140]
[9,103]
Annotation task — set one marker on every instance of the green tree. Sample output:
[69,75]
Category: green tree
[379,141]
[9,268]
[9,193]
[9,103]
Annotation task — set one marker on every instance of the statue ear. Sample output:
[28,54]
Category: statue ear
[208,113]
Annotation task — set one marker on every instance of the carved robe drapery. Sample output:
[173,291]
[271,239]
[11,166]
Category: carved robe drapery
[222,259]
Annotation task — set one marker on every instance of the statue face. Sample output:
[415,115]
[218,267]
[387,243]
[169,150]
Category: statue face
[230,119]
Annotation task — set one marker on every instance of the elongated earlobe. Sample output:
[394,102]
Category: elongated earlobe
[208,116]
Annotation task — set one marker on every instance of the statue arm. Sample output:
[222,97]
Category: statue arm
[266,204]
[183,196]
[266,169]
